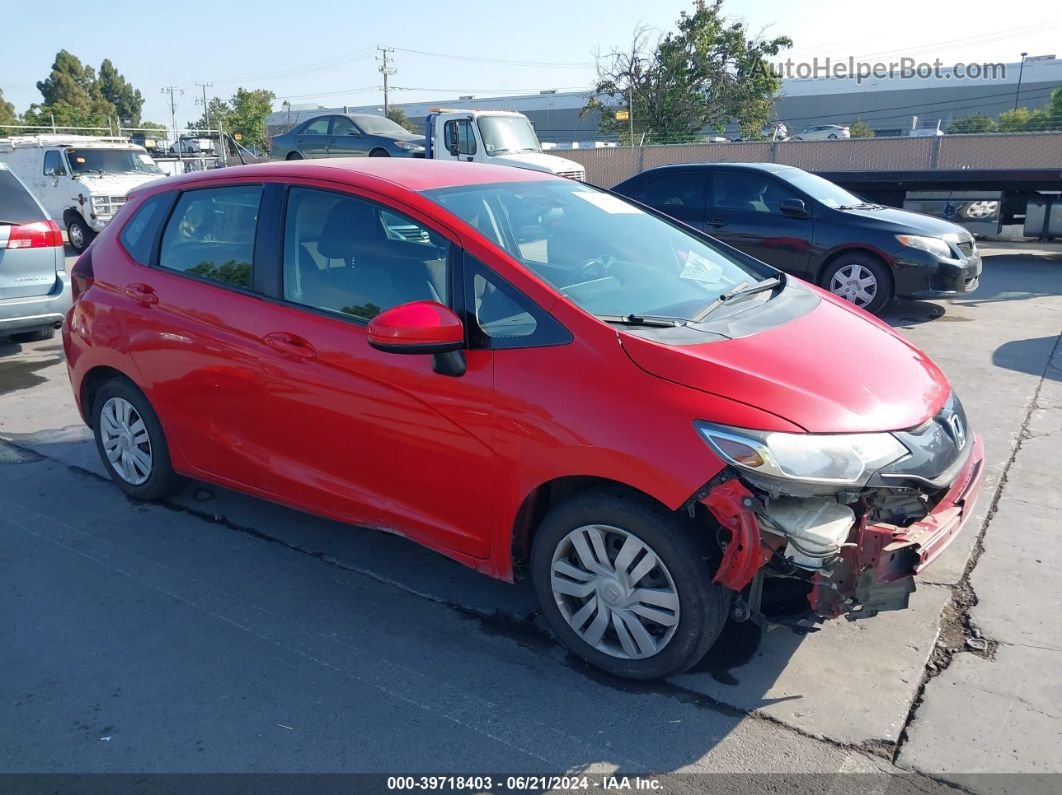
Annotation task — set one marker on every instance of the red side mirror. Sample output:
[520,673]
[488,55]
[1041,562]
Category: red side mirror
[418,327]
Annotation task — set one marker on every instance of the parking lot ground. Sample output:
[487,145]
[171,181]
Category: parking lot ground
[223,619]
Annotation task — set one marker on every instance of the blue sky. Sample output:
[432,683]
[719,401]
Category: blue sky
[325,51]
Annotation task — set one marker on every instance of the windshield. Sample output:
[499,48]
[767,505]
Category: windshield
[380,125]
[506,135]
[605,255]
[111,161]
[821,189]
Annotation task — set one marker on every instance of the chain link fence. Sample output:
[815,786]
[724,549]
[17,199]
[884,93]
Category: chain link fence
[609,166]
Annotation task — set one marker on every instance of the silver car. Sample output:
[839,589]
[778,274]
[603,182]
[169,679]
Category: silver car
[350,135]
[34,285]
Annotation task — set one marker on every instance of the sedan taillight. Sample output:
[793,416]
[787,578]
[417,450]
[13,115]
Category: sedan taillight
[81,275]
[39,234]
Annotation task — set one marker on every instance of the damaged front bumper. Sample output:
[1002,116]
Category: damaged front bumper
[872,570]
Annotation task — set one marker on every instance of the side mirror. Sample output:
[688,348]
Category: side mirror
[795,208]
[421,327]
[454,144]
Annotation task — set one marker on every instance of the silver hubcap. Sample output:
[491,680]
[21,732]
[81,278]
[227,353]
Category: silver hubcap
[614,592]
[126,441]
[77,239]
[854,283]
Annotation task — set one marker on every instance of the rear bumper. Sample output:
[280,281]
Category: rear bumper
[38,311]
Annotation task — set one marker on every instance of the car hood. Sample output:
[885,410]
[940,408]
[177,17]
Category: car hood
[906,222]
[114,184]
[834,369]
[537,161]
[420,139]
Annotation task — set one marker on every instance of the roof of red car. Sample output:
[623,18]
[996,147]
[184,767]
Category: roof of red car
[408,172]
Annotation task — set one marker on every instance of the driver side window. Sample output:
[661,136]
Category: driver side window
[466,138]
[341,125]
[53,163]
[317,127]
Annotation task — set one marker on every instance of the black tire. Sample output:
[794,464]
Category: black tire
[379,153]
[832,136]
[883,292]
[294,156]
[162,480]
[703,605]
[78,233]
[39,335]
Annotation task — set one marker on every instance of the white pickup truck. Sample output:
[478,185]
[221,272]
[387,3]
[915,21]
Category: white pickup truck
[492,136]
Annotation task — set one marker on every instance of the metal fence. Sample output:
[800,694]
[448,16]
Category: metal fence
[609,166]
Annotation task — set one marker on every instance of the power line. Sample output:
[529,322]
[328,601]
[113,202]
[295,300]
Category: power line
[295,71]
[507,62]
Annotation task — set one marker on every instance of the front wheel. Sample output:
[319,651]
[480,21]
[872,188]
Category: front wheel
[78,233]
[860,279]
[626,584]
[131,443]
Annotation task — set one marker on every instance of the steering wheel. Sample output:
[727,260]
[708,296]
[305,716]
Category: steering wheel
[596,267]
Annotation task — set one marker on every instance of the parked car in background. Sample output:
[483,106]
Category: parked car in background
[351,135]
[466,355]
[823,132]
[34,286]
[814,229]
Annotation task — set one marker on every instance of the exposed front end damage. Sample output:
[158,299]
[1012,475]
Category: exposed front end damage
[859,550]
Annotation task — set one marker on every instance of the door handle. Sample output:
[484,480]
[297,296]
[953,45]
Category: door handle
[291,346]
[717,223]
[142,294]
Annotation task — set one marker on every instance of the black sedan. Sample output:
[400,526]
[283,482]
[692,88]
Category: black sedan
[814,229]
[350,135]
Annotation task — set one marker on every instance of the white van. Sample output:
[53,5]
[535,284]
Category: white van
[81,180]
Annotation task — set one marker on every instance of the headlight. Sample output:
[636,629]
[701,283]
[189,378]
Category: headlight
[934,245]
[846,459]
[409,146]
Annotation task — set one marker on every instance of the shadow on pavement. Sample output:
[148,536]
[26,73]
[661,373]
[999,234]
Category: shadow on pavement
[1027,356]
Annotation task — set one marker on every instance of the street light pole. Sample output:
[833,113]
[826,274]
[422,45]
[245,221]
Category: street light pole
[1021,70]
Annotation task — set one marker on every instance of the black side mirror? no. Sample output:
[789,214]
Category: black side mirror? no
[795,208]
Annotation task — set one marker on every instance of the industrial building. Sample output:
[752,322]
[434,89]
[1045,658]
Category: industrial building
[888,105]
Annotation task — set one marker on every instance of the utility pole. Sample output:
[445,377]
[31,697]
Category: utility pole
[206,108]
[387,68]
[1020,71]
[173,91]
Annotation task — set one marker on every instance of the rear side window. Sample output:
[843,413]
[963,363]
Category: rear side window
[138,235]
[673,189]
[16,203]
[211,232]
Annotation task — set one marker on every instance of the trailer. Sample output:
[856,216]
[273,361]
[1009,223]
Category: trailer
[982,200]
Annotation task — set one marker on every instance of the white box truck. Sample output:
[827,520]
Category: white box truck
[492,136]
[81,180]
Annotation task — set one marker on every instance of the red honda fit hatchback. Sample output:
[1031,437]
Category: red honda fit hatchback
[521,372]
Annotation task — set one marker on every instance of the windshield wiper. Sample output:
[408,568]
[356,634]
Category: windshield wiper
[655,321]
[743,290]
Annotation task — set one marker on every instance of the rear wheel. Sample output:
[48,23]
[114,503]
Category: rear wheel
[861,279]
[294,156]
[131,443]
[78,233]
[626,584]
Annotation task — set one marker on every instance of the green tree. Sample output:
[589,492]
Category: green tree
[1023,120]
[248,117]
[72,96]
[975,123]
[7,114]
[705,73]
[218,112]
[128,102]
[398,116]
[860,129]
